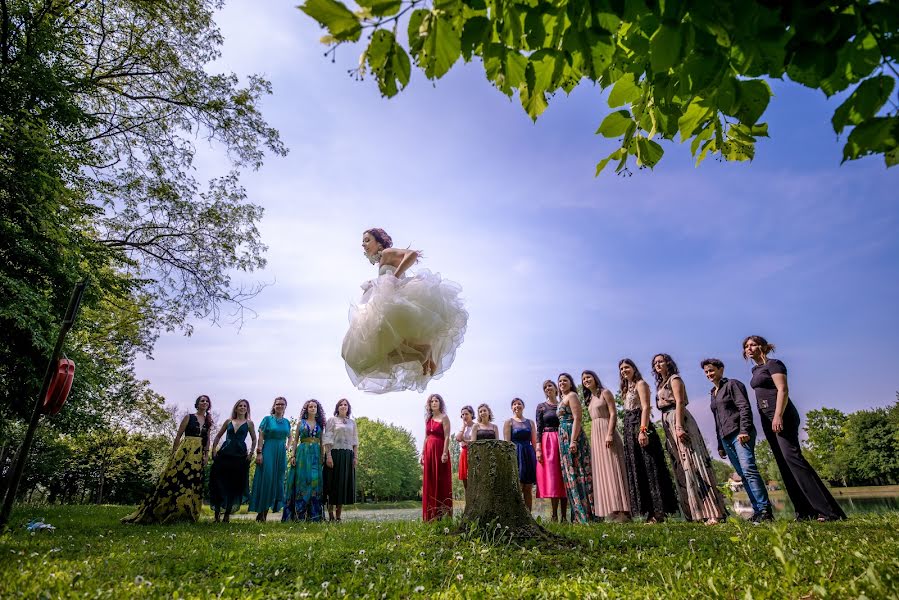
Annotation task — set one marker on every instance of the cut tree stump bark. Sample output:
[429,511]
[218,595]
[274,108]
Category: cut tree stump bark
[493,499]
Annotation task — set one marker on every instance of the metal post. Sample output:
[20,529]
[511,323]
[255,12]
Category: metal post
[22,456]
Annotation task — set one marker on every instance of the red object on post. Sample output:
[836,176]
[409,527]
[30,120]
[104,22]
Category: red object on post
[60,386]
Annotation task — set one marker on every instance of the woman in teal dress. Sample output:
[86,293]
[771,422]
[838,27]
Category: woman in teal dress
[229,476]
[574,452]
[305,485]
[271,462]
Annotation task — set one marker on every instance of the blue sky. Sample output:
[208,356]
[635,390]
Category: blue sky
[561,271]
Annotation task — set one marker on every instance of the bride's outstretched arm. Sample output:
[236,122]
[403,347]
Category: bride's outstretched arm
[402,259]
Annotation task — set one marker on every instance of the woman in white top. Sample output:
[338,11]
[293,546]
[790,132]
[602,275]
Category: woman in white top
[341,442]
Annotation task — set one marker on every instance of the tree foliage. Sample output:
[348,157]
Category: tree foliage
[101,107]
[388,467]
[693,70]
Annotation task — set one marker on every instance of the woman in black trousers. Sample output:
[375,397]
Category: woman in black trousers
[780,421]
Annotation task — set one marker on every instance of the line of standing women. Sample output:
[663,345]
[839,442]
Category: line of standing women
[321,472]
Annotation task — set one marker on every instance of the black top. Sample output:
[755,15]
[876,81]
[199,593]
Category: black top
[731,409]
[763,383]
[546,417]
[485,434]
[194,429]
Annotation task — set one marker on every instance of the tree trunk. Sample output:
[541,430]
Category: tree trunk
[493,500]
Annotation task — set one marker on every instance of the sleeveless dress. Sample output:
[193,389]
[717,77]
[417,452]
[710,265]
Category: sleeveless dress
[576,470]
[305,486]
[609,486]
[268,480]
[463,454]
[527,458]
[484,434]
[397,317]
[649,483]
[698,493]
[549,470]
[437,479]
[178,495]
[230,471]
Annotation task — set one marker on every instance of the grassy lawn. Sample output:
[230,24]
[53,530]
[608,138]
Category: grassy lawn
[91,555]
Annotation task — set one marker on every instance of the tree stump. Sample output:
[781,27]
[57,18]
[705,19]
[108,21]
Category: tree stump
[493,500]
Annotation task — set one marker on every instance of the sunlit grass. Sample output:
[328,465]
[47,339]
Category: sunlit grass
[92,555]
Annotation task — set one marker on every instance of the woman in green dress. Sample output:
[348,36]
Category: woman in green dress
[271,462]
[179,493]
[304,479]
[230,471]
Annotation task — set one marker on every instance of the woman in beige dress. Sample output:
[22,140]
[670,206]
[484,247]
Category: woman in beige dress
[610,500]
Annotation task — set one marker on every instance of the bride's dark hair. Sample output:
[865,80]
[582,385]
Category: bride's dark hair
[380,236]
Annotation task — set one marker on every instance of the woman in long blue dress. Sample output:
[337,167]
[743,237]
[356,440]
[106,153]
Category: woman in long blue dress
[574,451]
[305,485]
[271,462]
[229,476]
[523,433]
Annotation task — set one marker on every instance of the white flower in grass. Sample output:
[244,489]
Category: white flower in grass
[357,562]
[419,589]
[623,569]
[446,530]
[458,557]
[421,553]
[325,584]
[605,535]
[138,580]
[460,577]
[362,552]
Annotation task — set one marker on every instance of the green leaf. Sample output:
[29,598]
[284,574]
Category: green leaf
[864,102]
[665,48]
[340,22]
[615,124]
[547,66]
[475,33]
[441,45]
[414,28]
[624,91]
[616,155]
[533,102]
[388,62]
[877,135]
[753,98]
[726,96]
[506,69]
[602,49]
[696,114]
[381,8]
[648,152]
[812,63]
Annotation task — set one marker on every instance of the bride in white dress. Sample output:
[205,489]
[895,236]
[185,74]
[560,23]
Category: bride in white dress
[406,330]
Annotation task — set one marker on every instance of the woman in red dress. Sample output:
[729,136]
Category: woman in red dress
[437,482]
[462,438]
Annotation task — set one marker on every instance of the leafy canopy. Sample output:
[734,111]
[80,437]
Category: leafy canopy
[693,70]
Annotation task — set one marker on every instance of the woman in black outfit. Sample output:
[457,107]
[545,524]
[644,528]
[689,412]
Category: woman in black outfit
[780,421]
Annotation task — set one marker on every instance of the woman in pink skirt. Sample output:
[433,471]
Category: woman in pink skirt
[549,466]
[610,500]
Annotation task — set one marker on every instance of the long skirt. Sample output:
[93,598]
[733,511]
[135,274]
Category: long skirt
[304,485]
[268,480]
[549,470]
[228,482]
[178,495]
[698,493]
[648,480]
[340,480]
[463,464]
[609,487]
[437,482]
[577,474]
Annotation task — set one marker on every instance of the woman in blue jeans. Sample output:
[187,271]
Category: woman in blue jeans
[736,435]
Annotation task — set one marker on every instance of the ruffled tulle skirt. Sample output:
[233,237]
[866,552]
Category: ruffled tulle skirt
[395,326]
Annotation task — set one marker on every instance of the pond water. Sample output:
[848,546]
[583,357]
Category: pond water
[851,503]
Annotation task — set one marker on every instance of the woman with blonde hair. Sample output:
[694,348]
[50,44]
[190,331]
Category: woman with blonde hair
[229,476]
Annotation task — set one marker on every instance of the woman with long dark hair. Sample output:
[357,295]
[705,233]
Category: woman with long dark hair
[341,442]
[698,493]
[523,433]
[574,450]
[305,486]
[780,421]
[549,464]
[229,476]
[178,495]
[437,479]
[271,461]
[648,480]
[467,416]
[610,500]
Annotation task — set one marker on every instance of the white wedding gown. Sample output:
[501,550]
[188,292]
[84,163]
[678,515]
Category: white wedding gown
[397,319]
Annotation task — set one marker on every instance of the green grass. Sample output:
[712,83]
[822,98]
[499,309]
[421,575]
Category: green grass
[91,555]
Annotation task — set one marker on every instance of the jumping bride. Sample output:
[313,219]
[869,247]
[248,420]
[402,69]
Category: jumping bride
[406,330]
